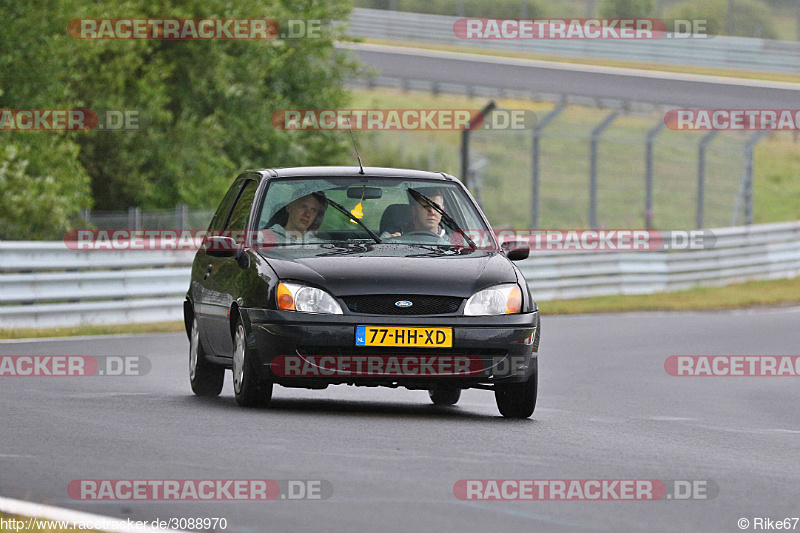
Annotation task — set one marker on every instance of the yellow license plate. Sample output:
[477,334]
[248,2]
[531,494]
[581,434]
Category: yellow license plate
[411,337]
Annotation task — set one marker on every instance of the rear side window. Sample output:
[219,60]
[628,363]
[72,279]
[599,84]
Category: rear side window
[224,208]
[241,212]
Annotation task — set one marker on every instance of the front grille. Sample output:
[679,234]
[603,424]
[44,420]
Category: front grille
[384,304]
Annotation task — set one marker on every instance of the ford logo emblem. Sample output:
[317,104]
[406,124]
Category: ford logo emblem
[403,303]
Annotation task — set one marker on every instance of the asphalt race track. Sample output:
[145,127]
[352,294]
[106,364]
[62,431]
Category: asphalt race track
[578,80]
[607,410]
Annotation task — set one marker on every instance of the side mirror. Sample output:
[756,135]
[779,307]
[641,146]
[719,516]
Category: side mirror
[218,246]
[516,250]
[519,254]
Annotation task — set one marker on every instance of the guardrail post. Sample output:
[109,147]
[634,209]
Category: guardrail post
[134,218]
[701,176]
[648,180]
[596,133]
[537,134]
[465,133]
[182,216]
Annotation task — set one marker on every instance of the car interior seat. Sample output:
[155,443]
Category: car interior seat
[396,218]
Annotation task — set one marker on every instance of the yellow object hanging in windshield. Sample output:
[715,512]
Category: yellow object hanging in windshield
[358,210]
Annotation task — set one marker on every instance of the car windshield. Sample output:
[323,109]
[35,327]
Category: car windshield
[359,209]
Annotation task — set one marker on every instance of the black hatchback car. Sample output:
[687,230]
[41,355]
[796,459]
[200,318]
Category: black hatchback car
[316,276]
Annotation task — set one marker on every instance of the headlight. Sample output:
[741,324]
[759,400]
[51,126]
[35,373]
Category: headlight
[498,300]
[296,297]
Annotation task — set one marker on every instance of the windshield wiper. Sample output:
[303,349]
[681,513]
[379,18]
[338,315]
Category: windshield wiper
[340,207]
[418,196]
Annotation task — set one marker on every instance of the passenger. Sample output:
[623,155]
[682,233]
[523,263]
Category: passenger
[304,216]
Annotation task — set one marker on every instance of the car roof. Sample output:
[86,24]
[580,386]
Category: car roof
[352,171]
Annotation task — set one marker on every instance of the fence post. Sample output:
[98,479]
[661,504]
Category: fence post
[798,21]
[730,26]
[750,156]
[474,123]
[648,180]
[701,177]
[537,133]
[596,133]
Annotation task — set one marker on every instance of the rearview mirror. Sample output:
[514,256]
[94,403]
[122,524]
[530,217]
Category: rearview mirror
[367,193]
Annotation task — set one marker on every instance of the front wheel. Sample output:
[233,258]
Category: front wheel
[249,390]
[206,378]
[518,400]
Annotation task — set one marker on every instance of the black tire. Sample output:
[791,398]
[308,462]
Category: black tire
[249,390]
[444,395]
[206,378]
[518,400]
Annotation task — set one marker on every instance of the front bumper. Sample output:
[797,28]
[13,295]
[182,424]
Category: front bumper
[498,349]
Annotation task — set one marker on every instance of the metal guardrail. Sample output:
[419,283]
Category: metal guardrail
[49,285]
[720,51]
[46,284]
[767,251]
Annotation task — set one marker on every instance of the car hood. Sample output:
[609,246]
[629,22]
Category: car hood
[347,270]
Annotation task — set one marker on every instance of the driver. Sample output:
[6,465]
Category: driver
[423,216]
[304,215]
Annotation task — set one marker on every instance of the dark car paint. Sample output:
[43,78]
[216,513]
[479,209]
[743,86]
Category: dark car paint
[405,268]
[231,291]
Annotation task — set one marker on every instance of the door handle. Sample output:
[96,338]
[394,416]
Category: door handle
[208,271]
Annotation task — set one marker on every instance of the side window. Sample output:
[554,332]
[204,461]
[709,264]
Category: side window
[225,207]
[241,212]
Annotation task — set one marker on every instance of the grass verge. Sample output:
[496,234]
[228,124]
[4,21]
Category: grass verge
[74,331]
[740,295]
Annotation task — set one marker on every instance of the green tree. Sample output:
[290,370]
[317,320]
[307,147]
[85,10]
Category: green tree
[204,106]
[42,187]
